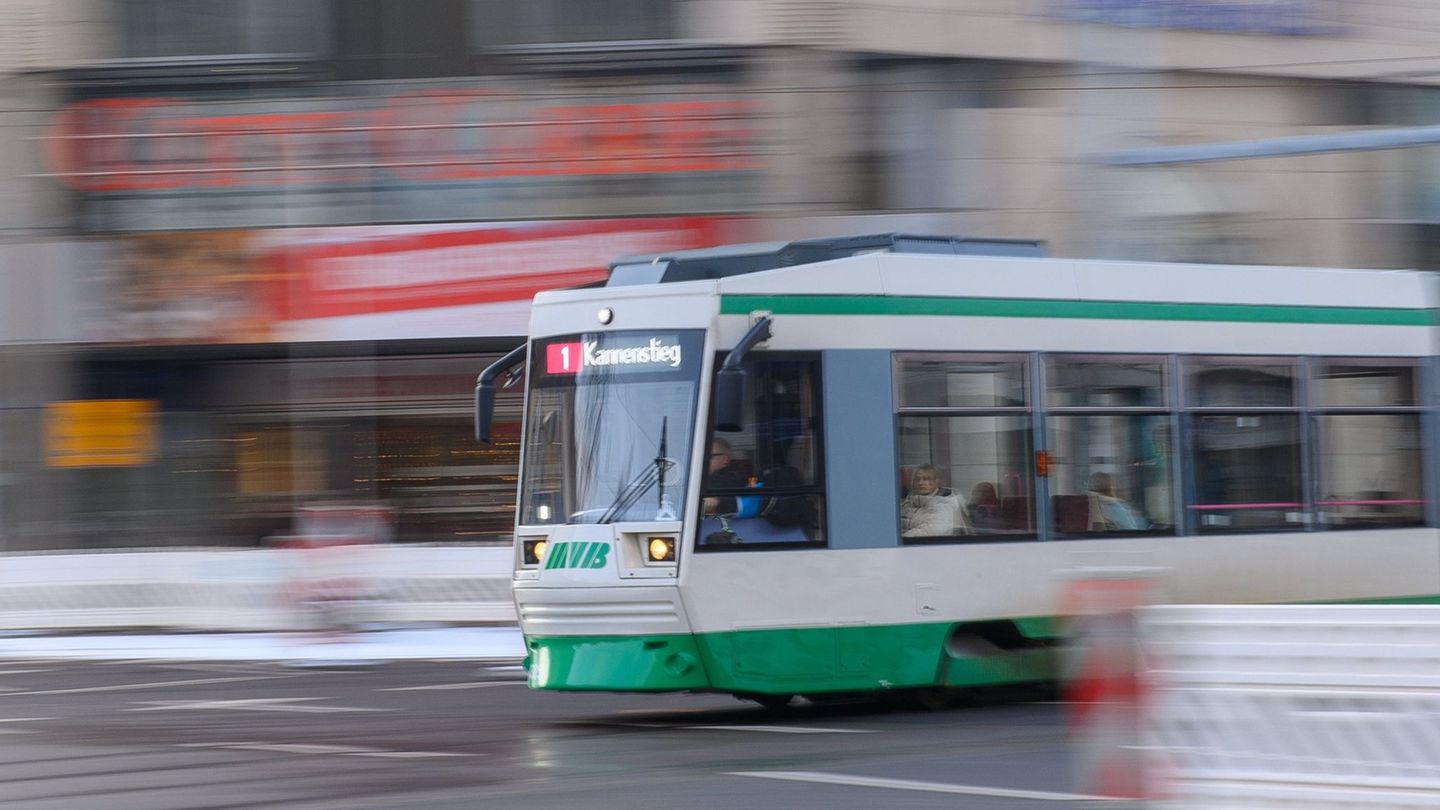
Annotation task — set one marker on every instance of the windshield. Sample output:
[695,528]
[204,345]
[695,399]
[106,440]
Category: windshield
[608,426]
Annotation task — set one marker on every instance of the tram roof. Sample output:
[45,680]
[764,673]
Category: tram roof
[735,260]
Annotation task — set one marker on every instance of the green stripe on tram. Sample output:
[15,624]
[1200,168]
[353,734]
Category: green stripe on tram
[1054,308]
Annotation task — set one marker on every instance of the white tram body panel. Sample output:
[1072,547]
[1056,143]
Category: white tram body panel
[896,584]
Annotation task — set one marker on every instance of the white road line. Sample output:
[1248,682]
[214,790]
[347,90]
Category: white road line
[335,750]
[131,686]
[909,784]
[24,671]
[466,685]
[785,729]
[286,704]
[25,719]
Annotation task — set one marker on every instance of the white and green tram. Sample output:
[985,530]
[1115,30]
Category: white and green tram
[866,464]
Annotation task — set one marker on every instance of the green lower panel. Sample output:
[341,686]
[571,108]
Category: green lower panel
[842,658]
[616,663]
[847,658]
[824,659]
[1015,666]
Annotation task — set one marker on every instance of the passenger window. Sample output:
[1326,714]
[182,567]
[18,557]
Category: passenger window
[1109,440]
[1368,444]
[1245,445]
[965,448]
[764,484]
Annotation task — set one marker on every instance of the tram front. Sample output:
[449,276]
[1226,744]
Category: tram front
[606,466]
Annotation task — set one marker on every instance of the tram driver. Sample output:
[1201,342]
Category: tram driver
[723,473]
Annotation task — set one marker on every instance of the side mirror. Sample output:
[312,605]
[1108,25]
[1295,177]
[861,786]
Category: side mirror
[730,379]
[484,411]
[730,398]
[485,391]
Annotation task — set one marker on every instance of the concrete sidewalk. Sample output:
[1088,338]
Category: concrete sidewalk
[407,644]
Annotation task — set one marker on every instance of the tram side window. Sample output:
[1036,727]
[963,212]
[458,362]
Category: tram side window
[1368,444]
[764,484]
[1109,438]
[965,448]
[1245,445]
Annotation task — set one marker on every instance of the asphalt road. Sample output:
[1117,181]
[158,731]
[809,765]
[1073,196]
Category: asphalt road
[412,736]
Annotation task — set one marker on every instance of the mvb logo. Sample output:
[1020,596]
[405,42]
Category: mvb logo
[578,555]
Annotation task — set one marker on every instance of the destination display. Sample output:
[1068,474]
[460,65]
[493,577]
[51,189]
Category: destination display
[616,352]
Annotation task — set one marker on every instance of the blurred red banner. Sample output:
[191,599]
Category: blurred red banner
[409,270]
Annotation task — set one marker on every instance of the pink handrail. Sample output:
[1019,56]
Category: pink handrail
[1210,507]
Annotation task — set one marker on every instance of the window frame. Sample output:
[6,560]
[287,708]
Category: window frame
[1418,408]
[1191,413]
[816,491]
[1170,374]
[1025,412]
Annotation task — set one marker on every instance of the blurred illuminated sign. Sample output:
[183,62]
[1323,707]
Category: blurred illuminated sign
[358,283]
[375,154]
[1281,17]
[100,432]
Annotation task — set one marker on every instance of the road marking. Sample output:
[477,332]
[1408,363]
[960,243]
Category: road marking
[24,671]
[124,686]
[285,704]
[785,729]
[909,784]
[466,685]
[25,719]
[335,750]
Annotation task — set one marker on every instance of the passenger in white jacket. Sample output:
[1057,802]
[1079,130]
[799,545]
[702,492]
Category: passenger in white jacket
[931,510]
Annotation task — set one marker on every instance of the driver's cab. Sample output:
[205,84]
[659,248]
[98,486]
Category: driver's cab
[770,492]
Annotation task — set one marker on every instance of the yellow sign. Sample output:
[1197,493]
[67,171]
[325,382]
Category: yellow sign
[101,432]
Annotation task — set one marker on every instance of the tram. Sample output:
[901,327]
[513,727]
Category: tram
[866,464]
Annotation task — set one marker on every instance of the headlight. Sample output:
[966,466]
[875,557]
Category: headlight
[661,549]
[534,551]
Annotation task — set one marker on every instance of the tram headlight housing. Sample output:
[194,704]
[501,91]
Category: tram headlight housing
[660,549]
[533,551]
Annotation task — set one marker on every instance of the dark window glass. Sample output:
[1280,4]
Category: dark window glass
[400,39]
[1247,472]
[764,484]
[168,28]
[1241,384]
[538,22]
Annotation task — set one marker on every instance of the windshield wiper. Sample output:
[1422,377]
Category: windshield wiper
[648,477]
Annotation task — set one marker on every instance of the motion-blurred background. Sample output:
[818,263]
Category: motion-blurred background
[255,251]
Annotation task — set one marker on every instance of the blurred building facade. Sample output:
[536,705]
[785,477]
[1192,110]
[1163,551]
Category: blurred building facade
[255,251]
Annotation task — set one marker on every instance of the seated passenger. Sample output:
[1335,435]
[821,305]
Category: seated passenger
[931,510]
[787,510]
[985,507]
[1110,513]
